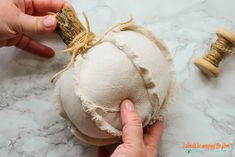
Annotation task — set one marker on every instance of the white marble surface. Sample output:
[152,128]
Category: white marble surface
[203,110]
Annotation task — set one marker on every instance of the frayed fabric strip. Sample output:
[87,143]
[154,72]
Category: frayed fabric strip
[91,108]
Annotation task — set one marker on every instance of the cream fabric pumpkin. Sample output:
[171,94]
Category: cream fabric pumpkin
[131,64]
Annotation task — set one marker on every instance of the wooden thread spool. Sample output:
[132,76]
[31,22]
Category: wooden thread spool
[222,46]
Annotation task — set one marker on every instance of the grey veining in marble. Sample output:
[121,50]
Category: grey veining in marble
[203,110]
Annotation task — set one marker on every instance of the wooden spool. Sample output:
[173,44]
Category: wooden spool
[223,45]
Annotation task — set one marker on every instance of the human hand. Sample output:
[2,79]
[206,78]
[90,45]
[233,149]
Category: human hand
[18,17]
[135,143]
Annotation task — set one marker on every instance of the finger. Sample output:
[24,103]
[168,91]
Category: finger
[153,135]
[66,4]
[21,5]
[132,126]
[36,24]
[34,47]
[102,152]
[43,14]
[29,7]
[44,6]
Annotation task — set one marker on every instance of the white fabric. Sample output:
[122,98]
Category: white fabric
[126,65]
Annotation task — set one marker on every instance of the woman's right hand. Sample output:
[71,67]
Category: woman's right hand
[135,143]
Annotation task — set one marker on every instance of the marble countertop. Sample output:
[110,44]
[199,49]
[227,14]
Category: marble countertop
[203,109]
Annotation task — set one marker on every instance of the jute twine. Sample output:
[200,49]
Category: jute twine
[87,39]
[218,50]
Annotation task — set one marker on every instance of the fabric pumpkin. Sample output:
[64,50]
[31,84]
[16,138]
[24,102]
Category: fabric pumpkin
[128,64]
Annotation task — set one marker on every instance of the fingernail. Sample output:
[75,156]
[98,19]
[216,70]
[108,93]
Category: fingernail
[49,21]
[129,106]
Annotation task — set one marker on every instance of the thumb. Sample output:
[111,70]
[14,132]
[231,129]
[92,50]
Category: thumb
[132,126]
[37,24]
